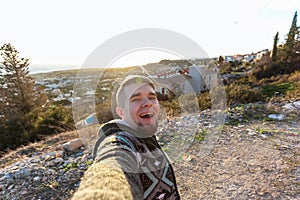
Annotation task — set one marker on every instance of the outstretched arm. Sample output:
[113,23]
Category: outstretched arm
[102,182]
[113,175]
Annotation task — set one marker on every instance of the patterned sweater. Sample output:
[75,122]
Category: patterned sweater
[145,169]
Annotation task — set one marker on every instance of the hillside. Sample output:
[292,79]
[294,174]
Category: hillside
[255,155]
[256,158]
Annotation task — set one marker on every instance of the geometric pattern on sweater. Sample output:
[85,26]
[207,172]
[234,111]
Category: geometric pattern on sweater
[156,174]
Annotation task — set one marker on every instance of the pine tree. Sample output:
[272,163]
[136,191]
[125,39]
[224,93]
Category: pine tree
[274,51]
[290,45]
[21,100]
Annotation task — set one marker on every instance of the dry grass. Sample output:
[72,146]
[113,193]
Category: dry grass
[47,145]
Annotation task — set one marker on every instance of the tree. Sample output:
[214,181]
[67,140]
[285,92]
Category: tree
[21,101]
[274,51]
[291,40]
[221,60]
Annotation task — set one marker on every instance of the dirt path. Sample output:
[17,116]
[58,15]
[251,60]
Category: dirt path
[255,160]
[245,164]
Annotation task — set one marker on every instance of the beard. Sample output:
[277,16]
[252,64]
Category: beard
[147,131]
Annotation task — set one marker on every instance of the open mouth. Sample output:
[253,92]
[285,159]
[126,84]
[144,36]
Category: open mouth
[146,115]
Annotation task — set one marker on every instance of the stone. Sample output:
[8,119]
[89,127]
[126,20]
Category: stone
[9,178]
[60,153]
[59,147]
[23,172]
[37,178]
[58,160]
[241,152]
[10,187]
[73,145]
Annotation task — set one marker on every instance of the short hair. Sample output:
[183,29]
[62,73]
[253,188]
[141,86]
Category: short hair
[131,79]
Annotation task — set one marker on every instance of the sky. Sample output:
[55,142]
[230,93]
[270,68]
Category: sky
[61,34]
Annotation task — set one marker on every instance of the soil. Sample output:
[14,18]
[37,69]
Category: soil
[245,165]
[252,160]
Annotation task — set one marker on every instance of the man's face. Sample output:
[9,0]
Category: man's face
[141,108]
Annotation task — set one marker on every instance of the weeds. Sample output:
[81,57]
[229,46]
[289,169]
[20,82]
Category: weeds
[277,89]
[70,166]
[200,136]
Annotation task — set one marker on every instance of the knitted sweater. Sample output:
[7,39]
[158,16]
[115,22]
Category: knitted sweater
[144,171]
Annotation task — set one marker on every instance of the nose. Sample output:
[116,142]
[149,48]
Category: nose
[147,103]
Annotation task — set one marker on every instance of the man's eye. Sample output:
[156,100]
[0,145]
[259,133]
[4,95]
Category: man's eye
[135,99]
[152,98]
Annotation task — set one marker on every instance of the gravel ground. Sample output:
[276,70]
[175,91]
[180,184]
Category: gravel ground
[245,165]
[253,159]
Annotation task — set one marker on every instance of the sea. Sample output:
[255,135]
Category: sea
[35,69]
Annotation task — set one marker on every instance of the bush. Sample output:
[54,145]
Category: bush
[242,94]
[277,89]
[204,101]
[268,70]
[295,77]
[225,68]
[171,108]
[56,119]
[295,94]
[104,115]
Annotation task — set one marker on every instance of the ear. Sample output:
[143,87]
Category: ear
[119,111]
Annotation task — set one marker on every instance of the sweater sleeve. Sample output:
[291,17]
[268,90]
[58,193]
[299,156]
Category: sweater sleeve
[114,173]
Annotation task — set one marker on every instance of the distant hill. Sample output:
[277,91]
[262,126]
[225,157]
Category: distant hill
[63,73]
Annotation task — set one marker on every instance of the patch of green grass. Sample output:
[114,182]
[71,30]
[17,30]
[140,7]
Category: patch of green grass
[89,162]
[282,88]
[233,122]
[69,166]
[200,136]
[268,119]
[52,184]
[291,117]
[257,116]
[266,131]
[262,131]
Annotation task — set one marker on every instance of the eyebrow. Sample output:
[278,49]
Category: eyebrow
[138,94]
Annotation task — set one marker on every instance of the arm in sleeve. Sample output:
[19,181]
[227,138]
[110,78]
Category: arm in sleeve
[113,175]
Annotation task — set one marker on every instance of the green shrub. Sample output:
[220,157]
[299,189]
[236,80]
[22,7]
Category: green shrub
[105,114]
[200,136]
[55,119]
[204,101]
[225,68]
[277,89]
[242,94]
[294,94]
[171,108]
[294,77]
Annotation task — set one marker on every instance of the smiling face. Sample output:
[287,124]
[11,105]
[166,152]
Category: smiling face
[140,108]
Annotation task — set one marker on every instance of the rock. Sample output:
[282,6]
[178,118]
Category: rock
[37,178]
[73,145]
[292,106]
[59,147]
[2,187]
[241,162]
[47,157]
[250,131]
[59,161]
[23,172]
[10,187]
[50,172]
[9,178]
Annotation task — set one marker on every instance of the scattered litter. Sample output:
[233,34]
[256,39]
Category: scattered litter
[276,116]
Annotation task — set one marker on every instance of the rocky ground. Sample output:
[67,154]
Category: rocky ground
[251,157]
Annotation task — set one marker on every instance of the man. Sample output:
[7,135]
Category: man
[129,163]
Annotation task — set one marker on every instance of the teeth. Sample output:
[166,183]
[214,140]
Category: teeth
[146,115]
